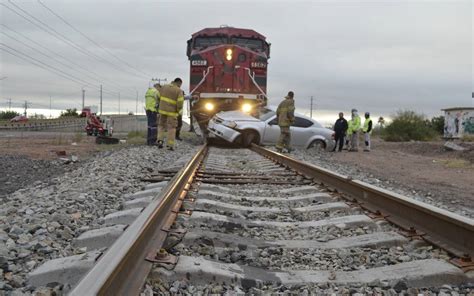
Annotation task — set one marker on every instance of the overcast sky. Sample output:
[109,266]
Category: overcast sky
[378,56]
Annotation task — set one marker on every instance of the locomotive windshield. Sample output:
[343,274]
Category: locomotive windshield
[254,44]
[251,43]
[209,41]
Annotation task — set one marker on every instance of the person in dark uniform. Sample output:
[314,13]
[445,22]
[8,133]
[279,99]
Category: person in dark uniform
[340,129]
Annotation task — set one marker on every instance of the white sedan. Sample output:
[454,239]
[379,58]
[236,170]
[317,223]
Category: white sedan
[241,128]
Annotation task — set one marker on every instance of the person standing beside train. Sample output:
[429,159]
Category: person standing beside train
[367,129]
[285,116]
[171,105]
[355,128]
[152,100]
[340,129]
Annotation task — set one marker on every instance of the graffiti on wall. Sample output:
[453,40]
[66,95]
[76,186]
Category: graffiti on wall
[458,123]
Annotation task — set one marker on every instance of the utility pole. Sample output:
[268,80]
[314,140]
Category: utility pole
[119,101]
[26,108]
[311,109]
[83,97]
[101,99]
[158,80]
[136,103]
[9,104]
[50,107]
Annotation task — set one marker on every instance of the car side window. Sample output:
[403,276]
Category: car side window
[302,122]
[274,121]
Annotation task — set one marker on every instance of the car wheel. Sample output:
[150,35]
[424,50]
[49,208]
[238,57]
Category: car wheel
[317,145]
[249,137]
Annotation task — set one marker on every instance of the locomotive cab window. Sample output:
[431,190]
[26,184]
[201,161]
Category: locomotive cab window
[254,44]
[302,122]
[201,42]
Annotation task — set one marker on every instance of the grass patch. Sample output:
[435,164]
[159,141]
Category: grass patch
[467,138]
[78,137]
[136,134]
[456,163]
[59,140]
[136,138]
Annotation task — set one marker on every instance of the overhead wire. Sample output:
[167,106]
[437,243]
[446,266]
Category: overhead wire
[45,27]
[55,59]
[49,68]
[91,40]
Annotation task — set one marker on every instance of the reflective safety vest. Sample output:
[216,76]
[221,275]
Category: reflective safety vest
[366,125]
[356,123]
[152,99]
[349,127]
[171,100]
[286,112]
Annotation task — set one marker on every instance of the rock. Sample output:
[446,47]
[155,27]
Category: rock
[16,230]
[453,147]
[400,286]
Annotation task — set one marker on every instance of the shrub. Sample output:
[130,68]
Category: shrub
[437,124]
[69,113]
[6,115]
[408,125]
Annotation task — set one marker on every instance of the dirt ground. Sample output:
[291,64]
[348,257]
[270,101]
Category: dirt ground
[47,145]
[427,167]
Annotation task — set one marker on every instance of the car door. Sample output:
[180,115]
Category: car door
[271,131]
[300,131]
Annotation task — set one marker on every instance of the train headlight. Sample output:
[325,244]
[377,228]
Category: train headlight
[246,107]
[209,106]
[228,54]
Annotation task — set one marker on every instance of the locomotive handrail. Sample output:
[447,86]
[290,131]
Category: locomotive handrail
[253,80]
[205,73]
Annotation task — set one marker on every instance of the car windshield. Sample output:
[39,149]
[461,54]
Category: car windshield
[264,114]
[248,42]
[209,41]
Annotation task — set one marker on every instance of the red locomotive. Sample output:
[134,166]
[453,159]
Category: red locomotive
[228,71]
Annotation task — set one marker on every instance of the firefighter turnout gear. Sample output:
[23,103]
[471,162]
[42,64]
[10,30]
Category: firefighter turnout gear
[367,129]
[355,128]
[152,99]
[286,116]
[171,105]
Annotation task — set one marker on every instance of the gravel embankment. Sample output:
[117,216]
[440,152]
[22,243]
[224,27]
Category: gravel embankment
[20,172]
[39,221]
[327,160]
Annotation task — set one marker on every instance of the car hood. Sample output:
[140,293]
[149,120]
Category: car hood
[236,116]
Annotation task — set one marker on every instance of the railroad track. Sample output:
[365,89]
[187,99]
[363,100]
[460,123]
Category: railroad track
[256,221]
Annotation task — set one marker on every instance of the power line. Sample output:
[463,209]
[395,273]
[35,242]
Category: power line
[91,40]
[45,27]
[49,56]
[40,64]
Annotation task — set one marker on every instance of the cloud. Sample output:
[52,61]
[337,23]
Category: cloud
[383,56]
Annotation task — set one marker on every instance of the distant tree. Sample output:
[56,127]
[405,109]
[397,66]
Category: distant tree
[130,113]
[408,125]
[37,116]
[437,123]
[6,115]
[70,113]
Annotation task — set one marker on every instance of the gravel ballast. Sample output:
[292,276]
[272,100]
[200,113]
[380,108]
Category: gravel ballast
[39,222]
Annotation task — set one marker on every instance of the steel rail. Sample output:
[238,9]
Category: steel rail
[447,230]
[122,270]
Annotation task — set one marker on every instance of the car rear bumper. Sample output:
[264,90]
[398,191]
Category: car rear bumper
[222,131]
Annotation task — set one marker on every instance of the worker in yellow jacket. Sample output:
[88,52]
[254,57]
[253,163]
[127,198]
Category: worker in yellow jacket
[171,105]
[152,100]
[286,116]
[355,128]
